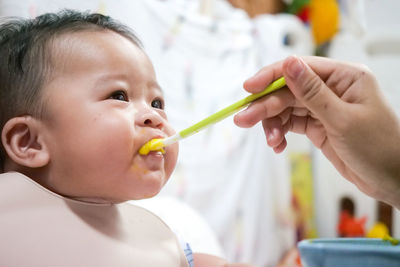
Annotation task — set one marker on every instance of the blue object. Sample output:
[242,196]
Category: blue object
[189,255]
[349,252]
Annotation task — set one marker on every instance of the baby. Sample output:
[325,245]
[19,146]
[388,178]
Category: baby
[79,98]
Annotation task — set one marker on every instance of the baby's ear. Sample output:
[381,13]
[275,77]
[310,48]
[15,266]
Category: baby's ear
[23,142]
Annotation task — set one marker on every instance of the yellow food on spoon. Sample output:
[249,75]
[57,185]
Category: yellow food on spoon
[153,145]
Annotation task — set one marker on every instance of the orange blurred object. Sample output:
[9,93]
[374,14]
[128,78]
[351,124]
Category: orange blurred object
[291,259]
[350,226]
[324,19]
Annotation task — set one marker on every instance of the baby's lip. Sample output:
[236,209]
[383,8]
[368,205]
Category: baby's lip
[154,137]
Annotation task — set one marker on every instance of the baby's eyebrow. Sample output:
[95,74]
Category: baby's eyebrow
[107,77]
[102,80]
[157,87]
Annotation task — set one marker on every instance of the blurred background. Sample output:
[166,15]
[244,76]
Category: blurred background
[230,195]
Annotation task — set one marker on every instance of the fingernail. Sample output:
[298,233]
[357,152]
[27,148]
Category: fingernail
[295,68]
[270,135]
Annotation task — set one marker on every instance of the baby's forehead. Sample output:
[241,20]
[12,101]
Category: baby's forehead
[62,45]
[65,48]
[98,52]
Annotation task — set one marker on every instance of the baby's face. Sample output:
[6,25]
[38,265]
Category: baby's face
[103,103]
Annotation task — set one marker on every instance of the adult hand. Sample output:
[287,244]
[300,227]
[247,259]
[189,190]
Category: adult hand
[340,108]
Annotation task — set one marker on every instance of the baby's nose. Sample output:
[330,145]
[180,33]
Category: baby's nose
[151,118]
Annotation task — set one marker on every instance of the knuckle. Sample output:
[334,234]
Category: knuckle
[364,71]
[312,88]
[363,68]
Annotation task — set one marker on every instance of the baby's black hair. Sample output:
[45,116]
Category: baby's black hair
[25,57]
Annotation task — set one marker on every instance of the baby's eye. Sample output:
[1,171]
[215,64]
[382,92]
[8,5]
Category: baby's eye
[119,95]
[157,103]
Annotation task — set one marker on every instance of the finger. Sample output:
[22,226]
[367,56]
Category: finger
[310,90]
[326,67]
[296,124]
[323,67]
[273,130]
[300,112]
[276,128]
[279,148]
[263,77]
[285,115]
[308,126]
[264,108]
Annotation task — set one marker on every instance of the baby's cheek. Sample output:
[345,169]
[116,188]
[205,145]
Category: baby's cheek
[171,158]
[168,129]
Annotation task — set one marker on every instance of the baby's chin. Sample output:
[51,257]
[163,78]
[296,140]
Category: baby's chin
[116,200]
[95,200]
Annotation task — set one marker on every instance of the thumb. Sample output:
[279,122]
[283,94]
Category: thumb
[311,91]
